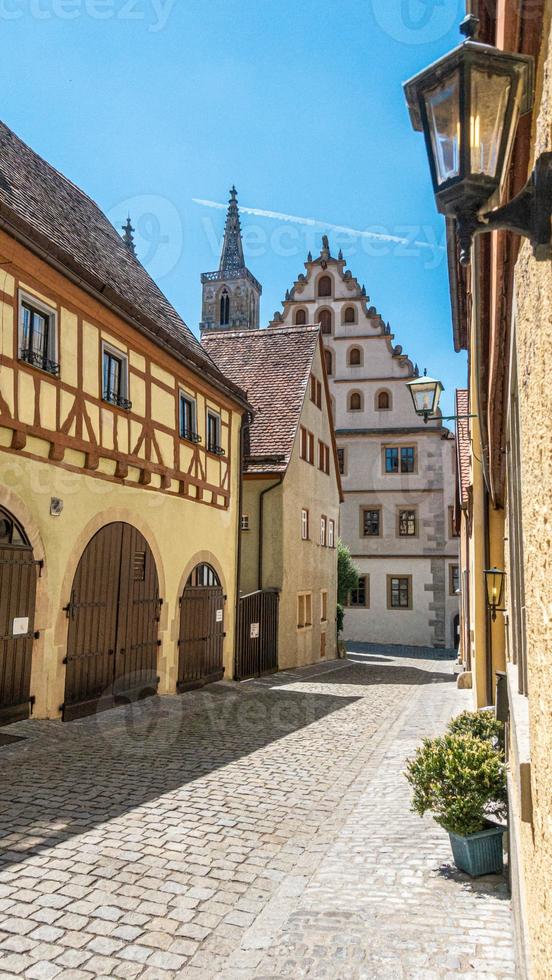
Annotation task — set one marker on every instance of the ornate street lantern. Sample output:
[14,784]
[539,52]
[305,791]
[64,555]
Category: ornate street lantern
[425,393]
[494,581]
[468,105]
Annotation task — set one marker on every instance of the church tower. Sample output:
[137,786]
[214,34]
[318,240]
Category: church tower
[231,296]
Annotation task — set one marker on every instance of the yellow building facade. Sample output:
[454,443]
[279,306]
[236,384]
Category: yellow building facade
[119,474]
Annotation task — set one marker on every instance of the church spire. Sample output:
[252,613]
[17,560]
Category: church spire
[232,248]
[128,236]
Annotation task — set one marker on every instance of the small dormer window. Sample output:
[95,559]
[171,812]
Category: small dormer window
[37,334]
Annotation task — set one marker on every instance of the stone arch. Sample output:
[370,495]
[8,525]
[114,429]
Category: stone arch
[355,401]
[324,317]
[324,285]
[355,356]
[349,314]
[300,319]
[383,401]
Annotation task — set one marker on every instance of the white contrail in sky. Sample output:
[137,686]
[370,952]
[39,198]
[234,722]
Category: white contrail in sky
[313,223]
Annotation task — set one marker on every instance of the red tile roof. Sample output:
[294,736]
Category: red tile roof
[463,444]
[65,227]
[273,367]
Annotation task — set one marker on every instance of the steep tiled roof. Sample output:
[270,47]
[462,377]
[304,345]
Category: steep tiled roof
[463,444]
[273,368]
[63,225]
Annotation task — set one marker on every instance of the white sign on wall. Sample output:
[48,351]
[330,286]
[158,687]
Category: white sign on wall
[20,626]
[219,615]
[255,631]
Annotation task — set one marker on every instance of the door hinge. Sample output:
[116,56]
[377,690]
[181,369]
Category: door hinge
[36,635]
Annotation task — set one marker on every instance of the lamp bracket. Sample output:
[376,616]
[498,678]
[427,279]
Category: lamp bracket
[446,418]
[528,214]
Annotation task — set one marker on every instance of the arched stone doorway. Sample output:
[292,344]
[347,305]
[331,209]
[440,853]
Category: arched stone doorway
[113,614]
[200,645]
[18,575]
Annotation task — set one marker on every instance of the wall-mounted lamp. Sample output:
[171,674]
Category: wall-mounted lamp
[468,105]
[494,581]
[426,394]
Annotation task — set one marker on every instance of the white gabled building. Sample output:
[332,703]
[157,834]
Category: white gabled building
[397,473]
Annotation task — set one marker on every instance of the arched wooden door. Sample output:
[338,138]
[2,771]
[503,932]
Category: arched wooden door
[113,616]
[200,646]
[18,575]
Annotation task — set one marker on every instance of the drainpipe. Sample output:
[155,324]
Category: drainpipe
[488,625]
[261,530]
[244,425]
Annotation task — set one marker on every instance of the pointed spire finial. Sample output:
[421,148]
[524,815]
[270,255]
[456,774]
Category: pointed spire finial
[340,255]
[309,257]
[128,236]
[232,248]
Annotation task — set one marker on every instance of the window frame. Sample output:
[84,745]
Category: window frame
[323,457]
[355,350]
[454,567]
[323,605]
[323,531]
[121,398]
[376,509]
[191,434]
[331,533]
[325,330]
[401,509]
[365,588]
[452,532]
[349,399]
[304,611]
[380,408]
[399,578]
[399,450]
[244,523]
[341,465]
[214,448]
[49,355]
[305,524]
[325,277]
[315,391]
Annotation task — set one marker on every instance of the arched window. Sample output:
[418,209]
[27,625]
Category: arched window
[224,309]
[325,286]
[301,318]
[349,316]
[329,362]
[355,356]
[203,577]
[383,400]
[355,401]
[325,321]
[11,532]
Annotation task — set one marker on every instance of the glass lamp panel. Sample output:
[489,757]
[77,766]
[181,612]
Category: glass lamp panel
[489,101]
[426,395]
[443,111]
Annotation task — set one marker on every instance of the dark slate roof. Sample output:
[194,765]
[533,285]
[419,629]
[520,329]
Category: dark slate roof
[63,225]
[273,367]
[463,443]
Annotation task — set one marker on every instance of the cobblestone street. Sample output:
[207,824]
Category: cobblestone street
[259,830]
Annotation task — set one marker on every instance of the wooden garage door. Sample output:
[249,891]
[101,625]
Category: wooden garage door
[18,575]
[200,645]
[113,616]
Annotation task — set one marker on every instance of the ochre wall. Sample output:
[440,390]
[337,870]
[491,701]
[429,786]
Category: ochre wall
[534,350]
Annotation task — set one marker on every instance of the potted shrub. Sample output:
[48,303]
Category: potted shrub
[461,781]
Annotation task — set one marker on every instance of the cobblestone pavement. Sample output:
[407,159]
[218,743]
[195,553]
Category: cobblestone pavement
[253,830]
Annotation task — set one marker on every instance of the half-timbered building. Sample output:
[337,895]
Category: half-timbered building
[119,465]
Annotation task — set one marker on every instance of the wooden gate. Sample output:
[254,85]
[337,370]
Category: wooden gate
[257,635]
[113,623]
[200,645]
[18,575]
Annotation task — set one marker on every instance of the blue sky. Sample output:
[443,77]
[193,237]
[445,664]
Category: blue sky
[151,105]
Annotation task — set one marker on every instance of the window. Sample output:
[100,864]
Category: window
[325,321]
[301,318]
[315,391]
[329,362]
[325,286]
[355,402]
[323,606]
[214,433]
[383,401]
[341,461]
[37,335]
[453,532]
[224,308]
[10,531]
[115,378]
[323,529]
[407,523]
[307,445]
[371,522]
[323,457]
[355,356]
[454,579]
[360,597]
[400,459]
[203,577]
[188,426]
[349,316]
[304,610]
[331,534]
[399,592]
[245,522]
[304,524]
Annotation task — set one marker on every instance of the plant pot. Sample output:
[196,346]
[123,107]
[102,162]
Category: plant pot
[478,854]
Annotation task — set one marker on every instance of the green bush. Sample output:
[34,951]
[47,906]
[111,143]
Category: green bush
[459,779]
[340,617]
[480,724]
[347,580]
